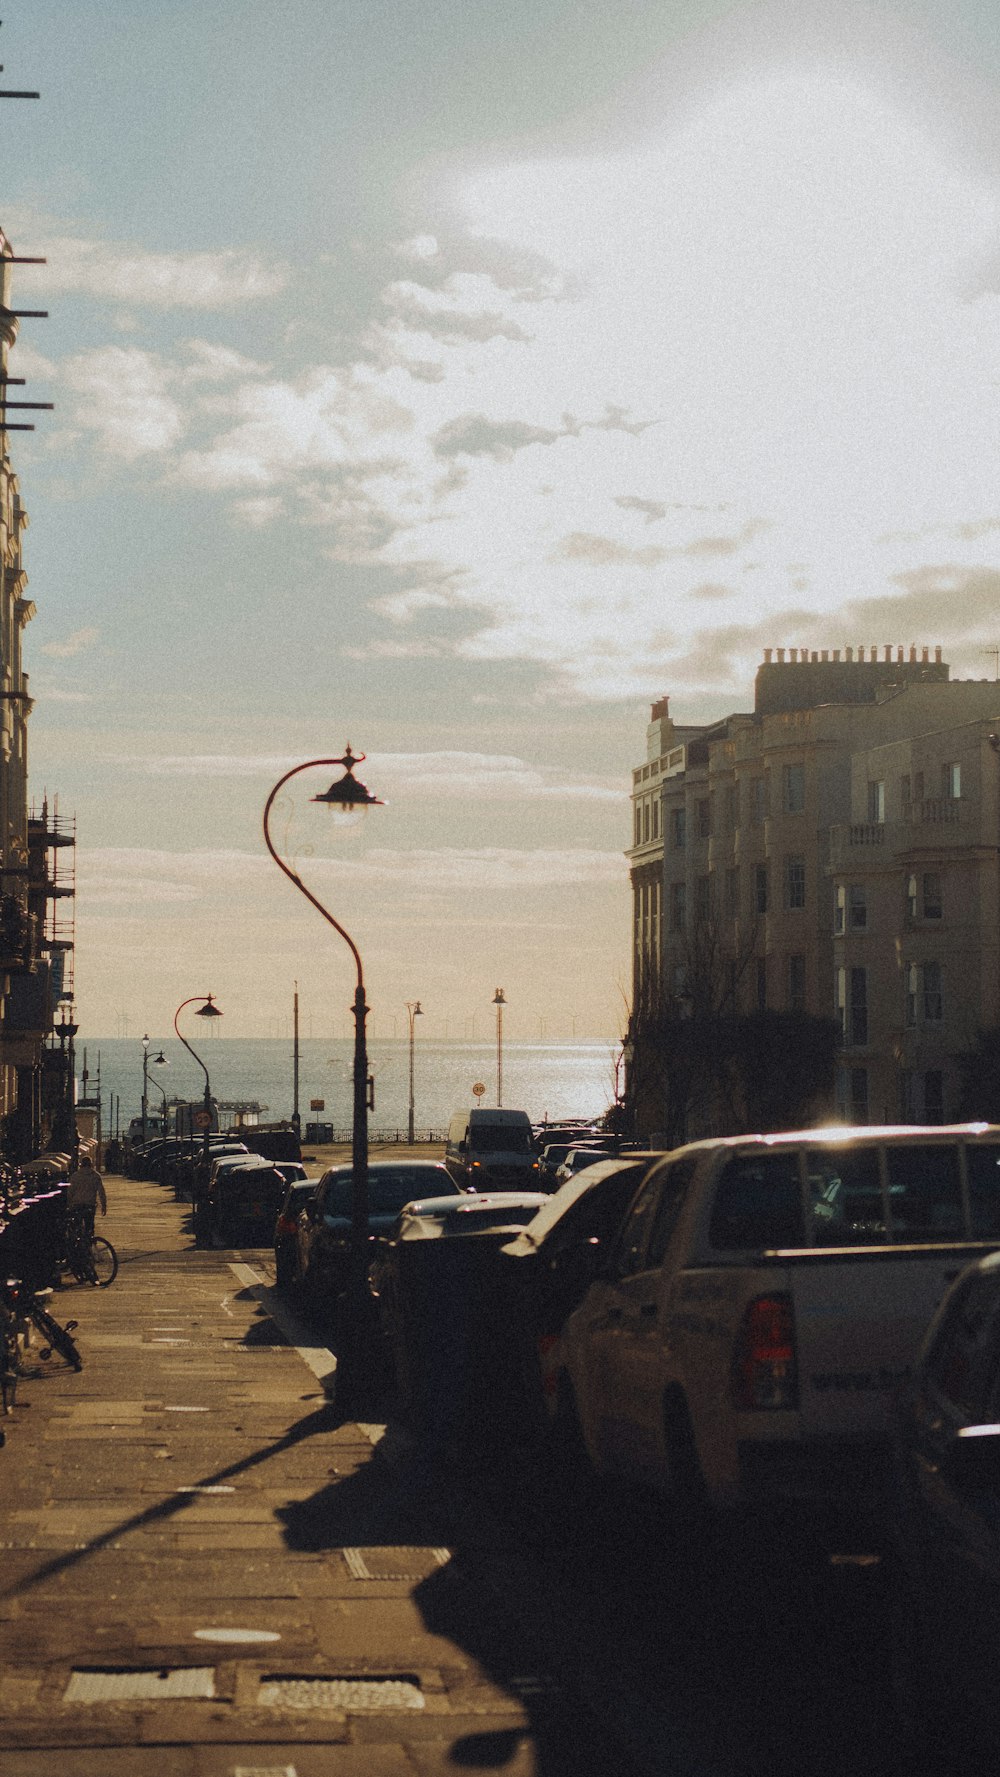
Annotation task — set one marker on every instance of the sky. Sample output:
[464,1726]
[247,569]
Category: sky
[452,380]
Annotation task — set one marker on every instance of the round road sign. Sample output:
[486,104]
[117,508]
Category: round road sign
[478,1089]
[202,1119]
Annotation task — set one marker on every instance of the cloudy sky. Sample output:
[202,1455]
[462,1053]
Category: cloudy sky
[453,378]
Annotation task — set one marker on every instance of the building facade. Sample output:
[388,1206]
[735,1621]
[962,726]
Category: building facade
[834,852]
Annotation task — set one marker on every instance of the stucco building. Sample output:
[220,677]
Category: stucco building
[834,851]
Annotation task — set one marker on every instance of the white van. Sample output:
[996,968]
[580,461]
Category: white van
[492,1151]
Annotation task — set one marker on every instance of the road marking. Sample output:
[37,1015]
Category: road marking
[318,1358]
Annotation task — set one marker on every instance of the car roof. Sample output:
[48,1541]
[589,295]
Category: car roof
[575,1188]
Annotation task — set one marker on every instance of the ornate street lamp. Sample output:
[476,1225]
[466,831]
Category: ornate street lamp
[161,1061]
[499,1002]
[413,1010]
[347,799]
[207,1010]
[145,1084]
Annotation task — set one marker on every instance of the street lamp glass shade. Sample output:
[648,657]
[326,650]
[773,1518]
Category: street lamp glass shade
[498,999]
[418,1010]
[160,1060]
[208,1010]
[348,799]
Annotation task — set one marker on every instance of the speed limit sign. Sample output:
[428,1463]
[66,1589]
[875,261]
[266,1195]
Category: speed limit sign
[478,1089]
[202,1119]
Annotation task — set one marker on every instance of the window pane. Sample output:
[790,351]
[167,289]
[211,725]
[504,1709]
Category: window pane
[846,1196]
[933,1001]
[758,1203]
[858,902]
[982,1163]
[925,1201]
[932,895]
[794,781]
[796,881]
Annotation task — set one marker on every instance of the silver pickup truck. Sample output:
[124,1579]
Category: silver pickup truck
[764,1301]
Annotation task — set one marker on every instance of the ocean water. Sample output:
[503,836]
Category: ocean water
[546,1079]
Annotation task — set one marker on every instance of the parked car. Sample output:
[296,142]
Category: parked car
[574,1161]
[286,1227]
[243,1202]
[764,1299]
[323,1241]
[544,1273]
[492,1150]
[944,1527]
[435,1279]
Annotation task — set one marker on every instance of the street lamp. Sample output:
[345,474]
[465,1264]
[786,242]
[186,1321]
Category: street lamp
[499,1002]
[145,1084]
[347,799]
[413,1010]
[161,1061]
[208,1010]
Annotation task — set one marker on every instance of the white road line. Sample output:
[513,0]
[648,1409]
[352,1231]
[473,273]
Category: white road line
[319,1359]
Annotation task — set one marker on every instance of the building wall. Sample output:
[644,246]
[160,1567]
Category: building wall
[839,858]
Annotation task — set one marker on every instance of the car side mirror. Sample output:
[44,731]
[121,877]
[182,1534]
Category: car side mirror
[972,1462]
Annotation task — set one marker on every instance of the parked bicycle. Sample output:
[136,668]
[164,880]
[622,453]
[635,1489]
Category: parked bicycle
[19,1303]
[90,1257]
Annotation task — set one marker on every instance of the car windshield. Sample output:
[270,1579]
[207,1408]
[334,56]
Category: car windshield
[389,1189]
[500,1138]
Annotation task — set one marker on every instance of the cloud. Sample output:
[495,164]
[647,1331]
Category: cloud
[74,644]
[653,509]
[473,435]
[417,309]
[496,776]
[603,551]
[123,400]
[132,275]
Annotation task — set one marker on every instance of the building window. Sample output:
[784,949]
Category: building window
[678,828]
[645,823]
[951,781]
[910,992]
[795,882]
[876,802]
[857,907]
[932,904]
[678,906]
[656,817]
[840,1003]
[793,785]
[762,984]
[733,891]
[703,899]
[905,793]
[797,983]
[840,911]
[859,1094]
[918,786]
[758,801]
[638,824]
[911,898]
[760,888]
[934,1095]
[933,997]
[704,811]
[859,1008]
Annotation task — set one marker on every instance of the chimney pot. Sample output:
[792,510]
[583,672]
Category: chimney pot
[888,650]
[813,656]
[937,656]
[836,653]
[767,656]
[849,652]
[913,656]
[824,655]
[781,656]
[925,655]
[899,656]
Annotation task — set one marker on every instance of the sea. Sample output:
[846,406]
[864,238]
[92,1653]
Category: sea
[548,1079]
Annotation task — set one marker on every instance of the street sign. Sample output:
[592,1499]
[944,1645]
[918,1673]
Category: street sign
[202,1119]
[478,1089]
[317,1104]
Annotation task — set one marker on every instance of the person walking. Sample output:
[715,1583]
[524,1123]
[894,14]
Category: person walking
[85,1193]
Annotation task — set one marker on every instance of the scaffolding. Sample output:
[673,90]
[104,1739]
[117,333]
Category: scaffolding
[54,836]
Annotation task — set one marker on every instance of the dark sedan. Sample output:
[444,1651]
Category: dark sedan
[324,1226]
[944,1503]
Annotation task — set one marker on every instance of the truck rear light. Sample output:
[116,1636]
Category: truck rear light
[764,1371]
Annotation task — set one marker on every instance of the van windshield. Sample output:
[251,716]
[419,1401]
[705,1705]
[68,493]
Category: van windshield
[500,1138]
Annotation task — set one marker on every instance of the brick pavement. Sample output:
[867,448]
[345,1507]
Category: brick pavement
[187,1515]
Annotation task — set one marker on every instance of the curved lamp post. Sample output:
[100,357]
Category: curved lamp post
[346,799]
[145,1085]
[413,1010]
[499,1002]
[161,1061]
[207,1010]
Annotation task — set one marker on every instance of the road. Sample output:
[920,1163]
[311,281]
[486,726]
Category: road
[206,1573]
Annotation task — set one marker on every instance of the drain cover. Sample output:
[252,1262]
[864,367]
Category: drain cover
[341,1693]
[115,1686]
[394,1563]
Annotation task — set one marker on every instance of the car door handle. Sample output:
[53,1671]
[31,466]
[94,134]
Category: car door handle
[648,1310]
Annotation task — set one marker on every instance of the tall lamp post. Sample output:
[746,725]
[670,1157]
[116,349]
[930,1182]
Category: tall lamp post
[413,1010]
[207,1010]
[161,1061]
[347,799]
[499,1002]
[145,1085]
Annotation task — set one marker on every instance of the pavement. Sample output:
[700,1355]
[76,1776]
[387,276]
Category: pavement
[205,1571]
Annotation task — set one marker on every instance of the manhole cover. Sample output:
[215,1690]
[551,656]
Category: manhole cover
[113,1687]
[394,1563]
[341,1693]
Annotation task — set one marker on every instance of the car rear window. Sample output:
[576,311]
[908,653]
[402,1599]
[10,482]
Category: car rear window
[925,1193]
[389,1190]
[758,1203]
[982,1161]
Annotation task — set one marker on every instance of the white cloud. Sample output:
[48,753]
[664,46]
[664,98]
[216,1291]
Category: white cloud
[133,275]
[74,644]
[493,776]
[123,398]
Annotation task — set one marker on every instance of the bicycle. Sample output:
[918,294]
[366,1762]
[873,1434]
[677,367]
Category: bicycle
[19,1302]
[90,1257]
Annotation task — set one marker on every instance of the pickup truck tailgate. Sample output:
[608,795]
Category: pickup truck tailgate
[859,1317]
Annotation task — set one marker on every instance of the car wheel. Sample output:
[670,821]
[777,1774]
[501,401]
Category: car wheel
[686,1483]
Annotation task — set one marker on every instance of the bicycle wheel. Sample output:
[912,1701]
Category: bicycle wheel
[59,1339]
[103,1262]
